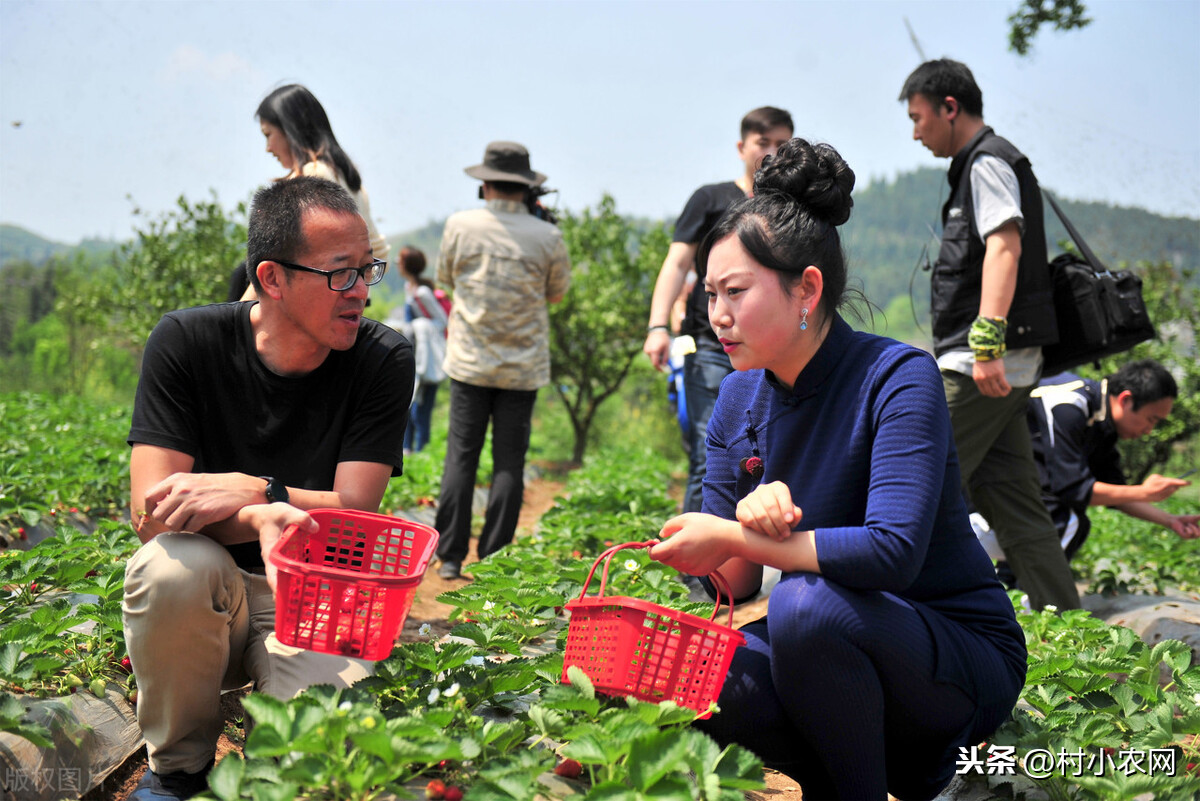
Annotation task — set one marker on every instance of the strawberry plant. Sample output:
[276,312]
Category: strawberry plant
[625,744]
[615,498]
[1095,696]
[421,482]
[60,455]
[51,643]
[483,712]
[1126,555]
[14,719]
[335,745]
[60,624]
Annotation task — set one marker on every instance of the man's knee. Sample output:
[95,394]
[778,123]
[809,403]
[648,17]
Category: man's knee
[175,569]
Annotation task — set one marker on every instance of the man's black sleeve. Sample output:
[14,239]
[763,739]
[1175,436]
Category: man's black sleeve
[164,408]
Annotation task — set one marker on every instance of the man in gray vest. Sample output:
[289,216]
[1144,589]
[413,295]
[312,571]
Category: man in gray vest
[992,312]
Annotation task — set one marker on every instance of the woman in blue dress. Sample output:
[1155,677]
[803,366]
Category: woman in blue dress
[889,643]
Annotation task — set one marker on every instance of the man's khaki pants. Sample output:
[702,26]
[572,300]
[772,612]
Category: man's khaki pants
[195,624]
[1000,478]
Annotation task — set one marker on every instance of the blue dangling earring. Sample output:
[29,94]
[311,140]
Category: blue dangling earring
[804,320]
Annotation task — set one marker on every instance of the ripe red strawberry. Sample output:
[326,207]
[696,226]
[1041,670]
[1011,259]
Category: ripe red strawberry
[125,663]
[436,789]
[569,768]
[21,533]
[453,794]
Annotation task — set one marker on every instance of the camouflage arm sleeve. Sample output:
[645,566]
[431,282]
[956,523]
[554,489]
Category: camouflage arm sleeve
[986,338]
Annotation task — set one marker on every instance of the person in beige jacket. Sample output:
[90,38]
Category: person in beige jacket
[504,265]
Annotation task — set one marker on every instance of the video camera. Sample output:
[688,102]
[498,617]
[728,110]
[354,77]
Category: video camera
[534,204]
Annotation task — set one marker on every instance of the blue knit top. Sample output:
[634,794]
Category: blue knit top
[863,441]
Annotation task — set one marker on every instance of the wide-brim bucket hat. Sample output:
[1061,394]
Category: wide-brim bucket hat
[506,161]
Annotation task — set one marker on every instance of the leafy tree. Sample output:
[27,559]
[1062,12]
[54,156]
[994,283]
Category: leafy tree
[29,296]
[597,330]
[181,259]
[1024,23]
[1174,305]
[42,349]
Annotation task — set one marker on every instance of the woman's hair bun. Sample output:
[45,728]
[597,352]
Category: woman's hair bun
[814,176]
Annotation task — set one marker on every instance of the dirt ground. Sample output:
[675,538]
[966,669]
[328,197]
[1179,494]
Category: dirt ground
[539,497]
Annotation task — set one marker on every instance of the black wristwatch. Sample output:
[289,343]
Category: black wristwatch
[276,491]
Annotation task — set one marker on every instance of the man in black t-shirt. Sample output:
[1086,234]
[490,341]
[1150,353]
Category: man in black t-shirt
[763,131]
[296,398]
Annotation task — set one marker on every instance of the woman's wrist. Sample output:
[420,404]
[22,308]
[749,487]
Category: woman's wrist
[738,541]
[797,552]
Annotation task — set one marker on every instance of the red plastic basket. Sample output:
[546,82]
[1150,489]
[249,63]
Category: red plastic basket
[628,646]
[347,588]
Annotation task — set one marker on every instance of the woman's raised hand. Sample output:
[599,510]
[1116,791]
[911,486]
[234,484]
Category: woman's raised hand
[769,510]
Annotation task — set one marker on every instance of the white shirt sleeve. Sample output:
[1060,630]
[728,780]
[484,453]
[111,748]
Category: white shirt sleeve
[995,194]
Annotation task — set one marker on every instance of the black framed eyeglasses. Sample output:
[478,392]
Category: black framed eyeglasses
[345,278]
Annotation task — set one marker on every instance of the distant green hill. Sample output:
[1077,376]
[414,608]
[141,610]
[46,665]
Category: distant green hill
[894,223]
[18,244]
[427,239]
[894,226]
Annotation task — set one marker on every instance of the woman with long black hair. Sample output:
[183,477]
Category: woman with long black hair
[299,135]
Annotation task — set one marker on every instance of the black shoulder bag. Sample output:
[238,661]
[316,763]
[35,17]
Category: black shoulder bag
[1099,312]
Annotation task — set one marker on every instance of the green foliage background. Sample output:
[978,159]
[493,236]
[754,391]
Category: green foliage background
[597,331]
[75,321]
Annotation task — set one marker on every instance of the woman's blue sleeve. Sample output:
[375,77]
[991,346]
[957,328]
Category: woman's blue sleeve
[906,477]
[720,478]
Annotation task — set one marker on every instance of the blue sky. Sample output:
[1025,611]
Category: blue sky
[152,100]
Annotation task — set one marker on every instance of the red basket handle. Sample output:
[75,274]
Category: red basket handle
[719,582]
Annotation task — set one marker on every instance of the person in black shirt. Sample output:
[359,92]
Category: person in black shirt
[1075,424]
[763,131]
[295,398]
